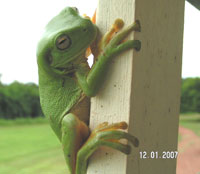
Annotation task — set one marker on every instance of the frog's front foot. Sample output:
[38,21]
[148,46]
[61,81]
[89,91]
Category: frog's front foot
[104,135]
[113,42]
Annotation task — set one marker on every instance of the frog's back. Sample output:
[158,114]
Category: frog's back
[57,97]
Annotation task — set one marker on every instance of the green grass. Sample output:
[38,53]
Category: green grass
[30,149]
[29,146]
[191,121]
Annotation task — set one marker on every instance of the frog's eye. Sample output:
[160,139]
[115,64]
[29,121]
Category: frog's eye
[63,42]
[76,9]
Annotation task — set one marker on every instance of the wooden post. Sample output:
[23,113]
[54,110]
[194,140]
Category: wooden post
[142,88]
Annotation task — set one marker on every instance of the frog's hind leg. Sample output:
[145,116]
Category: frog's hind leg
[74,133]
[104,135]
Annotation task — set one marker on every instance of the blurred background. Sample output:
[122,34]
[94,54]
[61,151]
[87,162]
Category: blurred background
[22,151]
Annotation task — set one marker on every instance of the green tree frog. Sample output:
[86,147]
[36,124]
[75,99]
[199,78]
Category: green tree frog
[66,83]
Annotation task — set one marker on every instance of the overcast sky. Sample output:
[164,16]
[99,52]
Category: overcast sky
[22,22]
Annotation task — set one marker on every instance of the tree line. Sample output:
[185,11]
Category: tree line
[19,100]
[22,100]
[190,95]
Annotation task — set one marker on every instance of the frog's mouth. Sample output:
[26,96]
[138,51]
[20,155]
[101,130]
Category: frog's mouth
[69,68]
[64,70]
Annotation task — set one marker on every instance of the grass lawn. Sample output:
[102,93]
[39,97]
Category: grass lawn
[30,149]
[30,146]
[191,121]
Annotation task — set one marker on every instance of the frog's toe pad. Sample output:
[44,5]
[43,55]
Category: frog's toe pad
[113,133]
[105,126]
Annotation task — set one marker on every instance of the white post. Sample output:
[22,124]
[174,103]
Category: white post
[142,88]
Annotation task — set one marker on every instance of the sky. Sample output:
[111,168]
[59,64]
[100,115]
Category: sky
[22,23]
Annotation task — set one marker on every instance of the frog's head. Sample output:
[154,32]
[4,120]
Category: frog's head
[66,37]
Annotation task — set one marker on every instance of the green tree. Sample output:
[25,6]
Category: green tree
[19,100]
[190,95]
